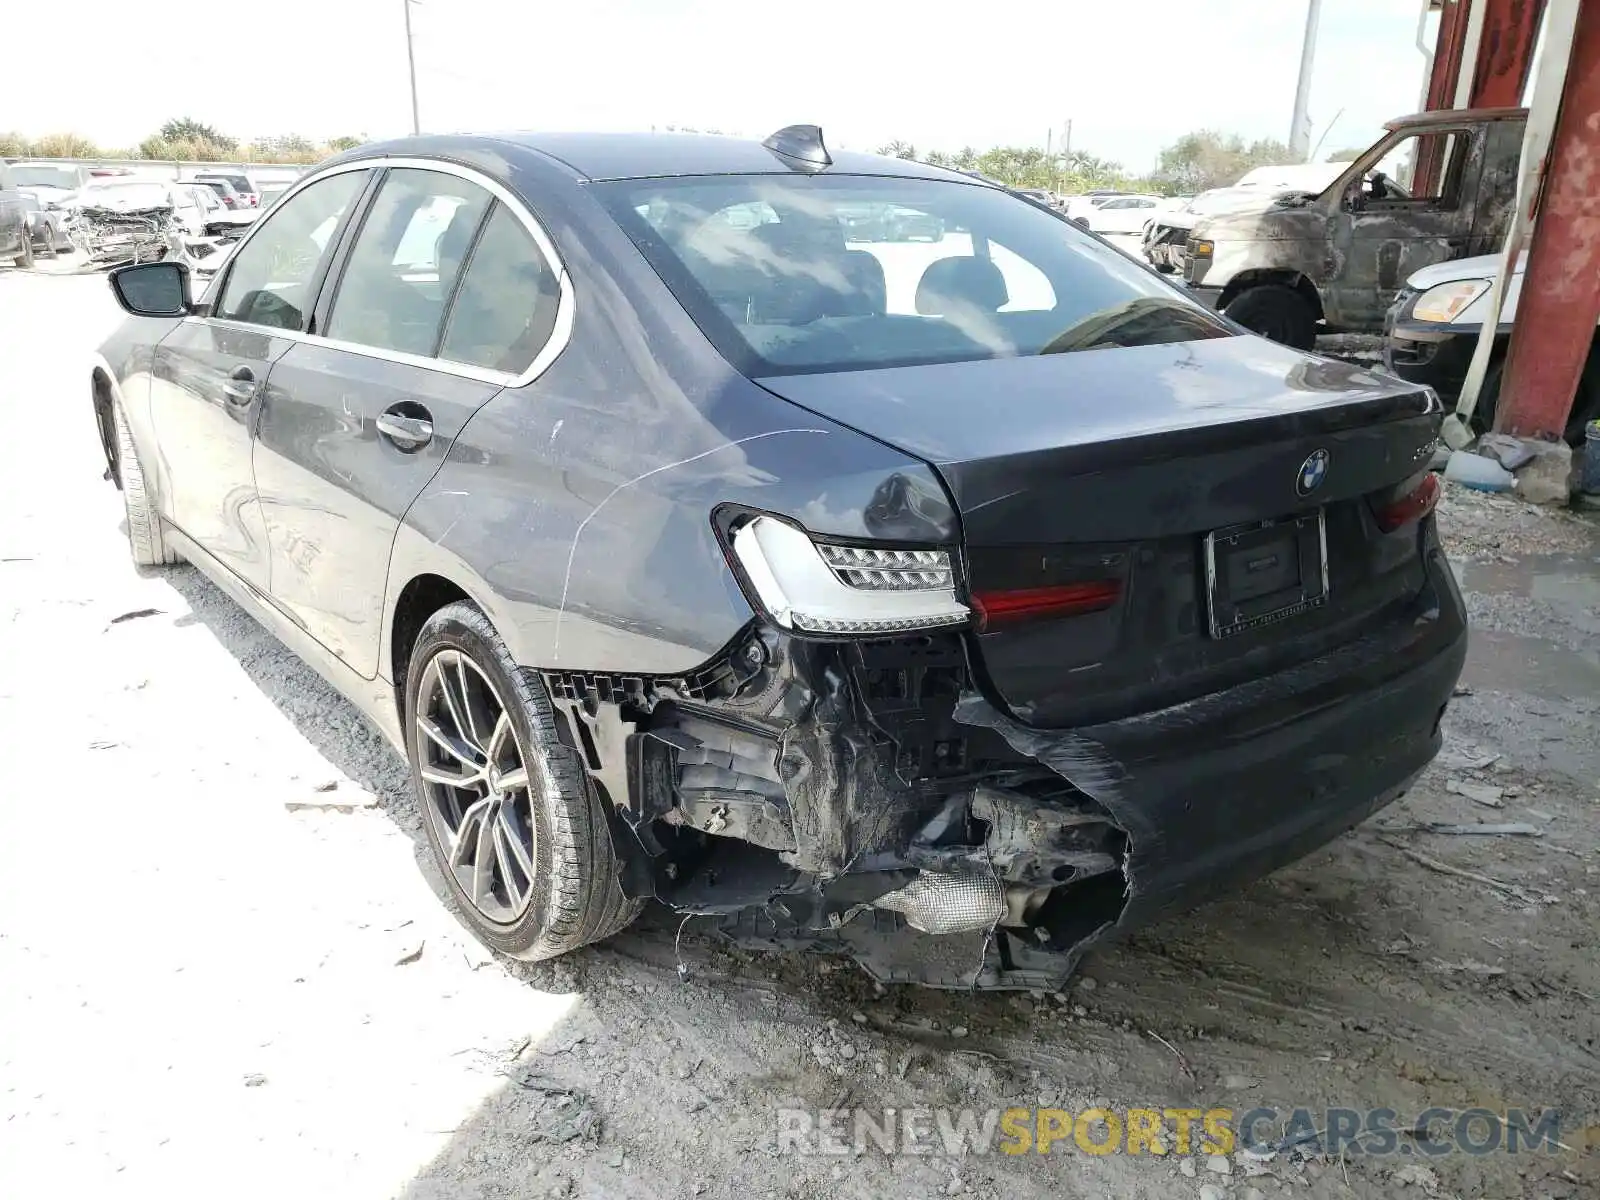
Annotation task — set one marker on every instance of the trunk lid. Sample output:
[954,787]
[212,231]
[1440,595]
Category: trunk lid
[1108,471]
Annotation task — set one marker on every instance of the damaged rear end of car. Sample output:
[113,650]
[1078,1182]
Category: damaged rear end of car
[964,763]
[1157,609]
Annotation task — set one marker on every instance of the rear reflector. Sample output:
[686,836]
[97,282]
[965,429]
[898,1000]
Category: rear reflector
[1413,506]
[1063,600]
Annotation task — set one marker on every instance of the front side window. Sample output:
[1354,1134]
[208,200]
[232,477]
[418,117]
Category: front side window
[270,279]
[857,272]
[402,268]
[505,308]
[1419,170]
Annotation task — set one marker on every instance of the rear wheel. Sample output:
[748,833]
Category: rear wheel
[1277,312]
[515,826]
[145,540]
[24,258]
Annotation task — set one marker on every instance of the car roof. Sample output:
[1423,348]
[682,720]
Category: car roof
[1454,116]
[602,156]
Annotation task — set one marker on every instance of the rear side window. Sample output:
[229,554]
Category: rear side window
[270,278]
[505,309]
[402,269]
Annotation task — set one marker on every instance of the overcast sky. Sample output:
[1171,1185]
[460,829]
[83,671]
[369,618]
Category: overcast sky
[1131,74]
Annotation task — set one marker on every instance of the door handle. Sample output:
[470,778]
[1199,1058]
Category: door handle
[408,425]
[240,387]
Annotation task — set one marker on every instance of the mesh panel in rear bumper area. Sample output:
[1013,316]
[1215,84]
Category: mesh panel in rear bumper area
[949,902]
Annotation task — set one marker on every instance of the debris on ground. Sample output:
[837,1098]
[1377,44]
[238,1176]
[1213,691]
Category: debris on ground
[1443,868]
[1479,793]
[1546,476]
[1478,473]
[135,615]
[1506,829]
[1510,452]
[334,797]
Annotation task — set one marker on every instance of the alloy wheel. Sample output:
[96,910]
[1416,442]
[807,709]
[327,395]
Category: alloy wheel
[475,786]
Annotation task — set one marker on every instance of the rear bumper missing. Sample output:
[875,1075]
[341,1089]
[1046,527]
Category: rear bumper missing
[865,797]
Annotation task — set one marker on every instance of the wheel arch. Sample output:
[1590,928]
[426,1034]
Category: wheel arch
[1280,276]
[416,600]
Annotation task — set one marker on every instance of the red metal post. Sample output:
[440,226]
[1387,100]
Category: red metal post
[1447,52]
[1505,56]
[1560,302]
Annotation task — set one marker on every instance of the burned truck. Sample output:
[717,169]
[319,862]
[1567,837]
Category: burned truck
[1437,186]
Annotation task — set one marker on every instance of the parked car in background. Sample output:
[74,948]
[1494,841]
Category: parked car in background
[243,188]
[902,602]
[225,192]
[1124,214]
[49,182]
[1041,196]
[1432,330]
[16,242]
[1081,205]
[217,219]
[46,226]
[270,192]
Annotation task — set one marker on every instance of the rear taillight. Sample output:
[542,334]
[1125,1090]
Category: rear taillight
[835,590]
[1412,506]
[1061,600]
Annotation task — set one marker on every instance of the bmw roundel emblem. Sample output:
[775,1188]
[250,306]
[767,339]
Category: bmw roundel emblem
[1312,472]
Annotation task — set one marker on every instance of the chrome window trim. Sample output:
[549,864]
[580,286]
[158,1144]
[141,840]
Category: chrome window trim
[566,303]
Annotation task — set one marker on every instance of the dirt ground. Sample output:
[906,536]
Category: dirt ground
[222,971]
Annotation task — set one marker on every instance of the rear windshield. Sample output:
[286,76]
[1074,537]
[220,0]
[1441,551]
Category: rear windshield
[239,182]
[796,273]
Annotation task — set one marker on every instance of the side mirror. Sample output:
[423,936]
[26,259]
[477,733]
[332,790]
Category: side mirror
[158,289]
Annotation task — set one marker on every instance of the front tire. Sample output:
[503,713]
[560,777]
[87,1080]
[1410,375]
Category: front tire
[145,537]
[515,827]
[24,260]
[1276,312]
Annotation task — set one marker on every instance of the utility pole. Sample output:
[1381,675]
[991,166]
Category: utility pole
[1300,124]
[411,66]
